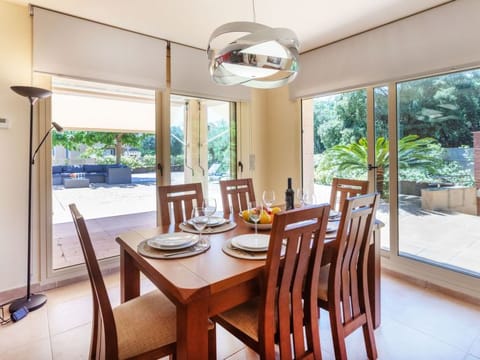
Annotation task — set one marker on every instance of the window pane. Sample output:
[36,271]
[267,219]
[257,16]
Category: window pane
[104,162]
[339,130]
[438,122]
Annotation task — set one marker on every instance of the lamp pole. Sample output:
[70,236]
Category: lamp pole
[30,301]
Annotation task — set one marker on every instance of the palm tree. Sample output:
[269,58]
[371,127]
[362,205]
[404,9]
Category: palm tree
[412,152]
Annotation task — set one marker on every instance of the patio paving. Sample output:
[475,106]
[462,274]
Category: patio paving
[446,238]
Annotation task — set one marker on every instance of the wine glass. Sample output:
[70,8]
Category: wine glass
[268,198]
[254,214]
[300,194]
[309,198]
[199,220]
[210,206]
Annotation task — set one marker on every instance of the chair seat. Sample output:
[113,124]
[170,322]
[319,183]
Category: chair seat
[137,322]
[244,317]
[323,283]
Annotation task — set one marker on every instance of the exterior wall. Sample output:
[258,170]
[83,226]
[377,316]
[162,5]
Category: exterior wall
[15,69]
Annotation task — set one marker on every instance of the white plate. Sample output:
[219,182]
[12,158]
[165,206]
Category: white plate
[212,222]
[334,215]
[251,242]
[173,241]
[331,229]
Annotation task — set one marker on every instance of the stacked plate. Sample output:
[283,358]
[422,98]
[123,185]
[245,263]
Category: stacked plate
[251,242]
[213,221]
[334,215]
[173,241]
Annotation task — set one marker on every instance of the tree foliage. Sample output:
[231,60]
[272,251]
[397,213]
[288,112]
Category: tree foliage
[97,141]
[413,152]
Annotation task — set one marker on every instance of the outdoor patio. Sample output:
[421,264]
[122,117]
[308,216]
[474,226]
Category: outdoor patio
[451,239]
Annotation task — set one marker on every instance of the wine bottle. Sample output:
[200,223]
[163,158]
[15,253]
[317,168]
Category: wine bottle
[289,196]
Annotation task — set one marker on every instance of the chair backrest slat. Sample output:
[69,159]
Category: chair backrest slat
[348,270]
[345,188]
[291,283]
[236,194]
[106,332]
[178,201]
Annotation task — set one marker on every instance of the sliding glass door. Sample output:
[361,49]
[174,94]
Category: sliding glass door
[104,162]
[203,142]
[439,170]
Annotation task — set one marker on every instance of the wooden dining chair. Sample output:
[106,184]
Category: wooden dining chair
[142,328]
[286,312]
[236,194]
[343,289]
[178,201]
[345,188]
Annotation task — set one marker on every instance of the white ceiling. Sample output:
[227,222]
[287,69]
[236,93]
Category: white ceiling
[190,22]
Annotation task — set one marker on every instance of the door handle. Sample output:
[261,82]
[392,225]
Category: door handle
[240,165]
[371,167]
[160,168]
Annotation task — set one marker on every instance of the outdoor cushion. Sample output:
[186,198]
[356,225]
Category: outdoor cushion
[72,169]
[57,169]
[94,168]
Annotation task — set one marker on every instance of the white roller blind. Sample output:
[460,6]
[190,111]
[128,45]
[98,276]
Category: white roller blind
[436,40]
[190,76]
[69,46]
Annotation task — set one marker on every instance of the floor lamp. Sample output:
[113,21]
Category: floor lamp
[30,301]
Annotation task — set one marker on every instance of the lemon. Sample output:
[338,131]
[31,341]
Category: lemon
[265,218]
[245,215]
[276,210]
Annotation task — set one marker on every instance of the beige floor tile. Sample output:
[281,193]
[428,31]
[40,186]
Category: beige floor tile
[397,341]
[34,350]
[72,344]
[31,329]
[228,345]
[70,314]
[471,357]
[475,349]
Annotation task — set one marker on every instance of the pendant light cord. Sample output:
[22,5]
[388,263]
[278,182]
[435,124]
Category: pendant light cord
[254,13]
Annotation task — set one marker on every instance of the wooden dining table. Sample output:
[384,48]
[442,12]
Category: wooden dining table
[208,283]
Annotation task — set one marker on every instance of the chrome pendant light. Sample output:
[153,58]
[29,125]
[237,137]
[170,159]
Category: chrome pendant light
[264,58]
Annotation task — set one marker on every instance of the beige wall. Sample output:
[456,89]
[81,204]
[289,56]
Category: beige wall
[282,142]
[15,69]
[269,141]
[269,145]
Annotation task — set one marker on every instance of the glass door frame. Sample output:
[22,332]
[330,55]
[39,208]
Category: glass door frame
[418,271]
[429,274]
[43,177]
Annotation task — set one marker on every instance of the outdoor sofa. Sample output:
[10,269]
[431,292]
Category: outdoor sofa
[110,174]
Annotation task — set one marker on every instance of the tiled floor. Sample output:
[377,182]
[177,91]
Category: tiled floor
[416,324]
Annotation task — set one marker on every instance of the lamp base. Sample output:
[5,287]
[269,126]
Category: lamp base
[32,303]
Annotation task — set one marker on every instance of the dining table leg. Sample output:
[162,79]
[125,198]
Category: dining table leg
[129,277]
[192,330]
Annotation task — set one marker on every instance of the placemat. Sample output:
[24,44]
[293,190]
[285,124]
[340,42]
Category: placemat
[229,249]
[209,230]
[147,251]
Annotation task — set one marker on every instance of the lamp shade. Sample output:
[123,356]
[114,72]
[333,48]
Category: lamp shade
[264,58]
[33,93]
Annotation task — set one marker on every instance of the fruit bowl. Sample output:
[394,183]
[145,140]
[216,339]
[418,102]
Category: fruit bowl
[259,226]
[266,218]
